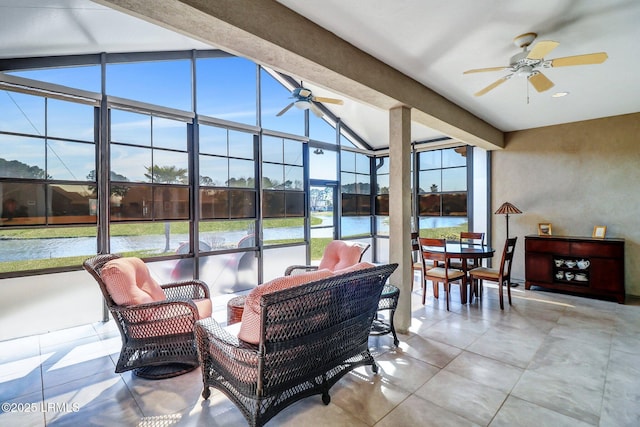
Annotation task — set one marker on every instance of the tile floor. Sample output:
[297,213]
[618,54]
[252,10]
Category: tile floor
[548,360]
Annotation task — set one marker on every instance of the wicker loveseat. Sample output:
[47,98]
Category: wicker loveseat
[310,336]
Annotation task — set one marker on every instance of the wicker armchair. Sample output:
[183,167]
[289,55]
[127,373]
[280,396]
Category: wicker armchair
[310,336]
[337,255]
[157,337]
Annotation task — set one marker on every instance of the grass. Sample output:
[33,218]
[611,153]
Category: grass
[145,228]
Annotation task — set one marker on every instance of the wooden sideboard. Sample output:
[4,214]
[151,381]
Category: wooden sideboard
[549,263]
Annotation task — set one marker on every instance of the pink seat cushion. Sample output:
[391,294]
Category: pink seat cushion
[340,254]
[356,267]
[129,283]
[251,325]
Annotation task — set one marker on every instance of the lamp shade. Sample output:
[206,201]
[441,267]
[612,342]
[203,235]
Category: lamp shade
[508,209]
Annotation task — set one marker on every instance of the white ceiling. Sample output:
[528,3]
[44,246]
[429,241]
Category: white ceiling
[435,41]
[429,40]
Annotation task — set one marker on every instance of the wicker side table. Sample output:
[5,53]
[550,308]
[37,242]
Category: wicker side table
[388,301]
[235,307]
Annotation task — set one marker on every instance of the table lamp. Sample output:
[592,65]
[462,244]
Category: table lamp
[506,209]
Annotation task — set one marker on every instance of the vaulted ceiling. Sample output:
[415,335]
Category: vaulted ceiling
[429,41]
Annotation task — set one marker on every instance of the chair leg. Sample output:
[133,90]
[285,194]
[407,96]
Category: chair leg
[436,288]
[472,289]
[447,291]
[424,291]
[500,294]
[464,296]
[509,290]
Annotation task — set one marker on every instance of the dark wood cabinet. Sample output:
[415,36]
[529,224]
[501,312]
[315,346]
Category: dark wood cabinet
[580,265]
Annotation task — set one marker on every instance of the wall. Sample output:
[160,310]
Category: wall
[574,176]
[33,305]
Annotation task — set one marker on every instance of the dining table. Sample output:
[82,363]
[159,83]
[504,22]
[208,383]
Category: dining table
[464,252]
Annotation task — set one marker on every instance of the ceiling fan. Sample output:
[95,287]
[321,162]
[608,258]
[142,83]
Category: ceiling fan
[304,99]
[528,63]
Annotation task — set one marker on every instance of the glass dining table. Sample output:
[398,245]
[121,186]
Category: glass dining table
[464,252]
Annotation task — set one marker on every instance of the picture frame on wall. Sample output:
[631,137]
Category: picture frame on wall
[599,231]
[544,229]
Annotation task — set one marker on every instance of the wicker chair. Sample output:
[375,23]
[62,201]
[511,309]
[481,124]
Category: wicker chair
[337,255]
[310,336]
[157,337]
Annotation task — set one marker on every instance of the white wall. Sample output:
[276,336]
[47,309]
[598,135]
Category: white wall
[38,304]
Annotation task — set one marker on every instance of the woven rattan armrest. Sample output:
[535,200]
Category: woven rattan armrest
[304,268]
[224,350]
[186,289]
[183,307]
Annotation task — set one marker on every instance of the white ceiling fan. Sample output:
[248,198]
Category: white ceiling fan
[304,99]
[529,63]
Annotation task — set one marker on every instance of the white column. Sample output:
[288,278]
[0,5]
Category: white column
[400,211]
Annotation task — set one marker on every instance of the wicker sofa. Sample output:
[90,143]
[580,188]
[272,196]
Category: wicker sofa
[310,336]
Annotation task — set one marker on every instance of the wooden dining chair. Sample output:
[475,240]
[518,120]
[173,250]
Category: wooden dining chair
[470,238]
[502,275]
[431,271]
[416,257]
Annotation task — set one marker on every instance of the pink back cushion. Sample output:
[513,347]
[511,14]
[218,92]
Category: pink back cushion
[340,254]
[356,267]
[250,327]
[128,282]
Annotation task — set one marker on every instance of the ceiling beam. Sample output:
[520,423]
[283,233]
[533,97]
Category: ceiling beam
[275,36]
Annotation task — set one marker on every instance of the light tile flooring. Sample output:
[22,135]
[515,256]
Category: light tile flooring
[548,360]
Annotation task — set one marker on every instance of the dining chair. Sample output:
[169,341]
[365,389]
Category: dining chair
[502,275]
[470,238]
[435,273]
[416,257]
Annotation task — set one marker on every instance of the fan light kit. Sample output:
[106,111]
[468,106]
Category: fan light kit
[528,63]
[304,100]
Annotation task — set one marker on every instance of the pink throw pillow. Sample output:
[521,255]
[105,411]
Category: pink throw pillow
[251,325]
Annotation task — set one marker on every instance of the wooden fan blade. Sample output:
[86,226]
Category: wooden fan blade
[482,70]
[329,100]
[540,82]
[491,86]
[541,49]
[590,58]
[284,110]
[315,110]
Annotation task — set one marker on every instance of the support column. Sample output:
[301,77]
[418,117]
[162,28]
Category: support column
[400,211]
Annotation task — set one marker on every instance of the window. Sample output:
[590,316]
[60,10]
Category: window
[382,196]
[165,83]
[356,194]
[227,173]
[49,148]
[274,97]
[442,192]
[47,182]
[282,178]
[149,168]
[226,89]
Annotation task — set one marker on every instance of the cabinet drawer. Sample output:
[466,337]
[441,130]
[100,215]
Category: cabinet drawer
[602,250]
[547,246]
